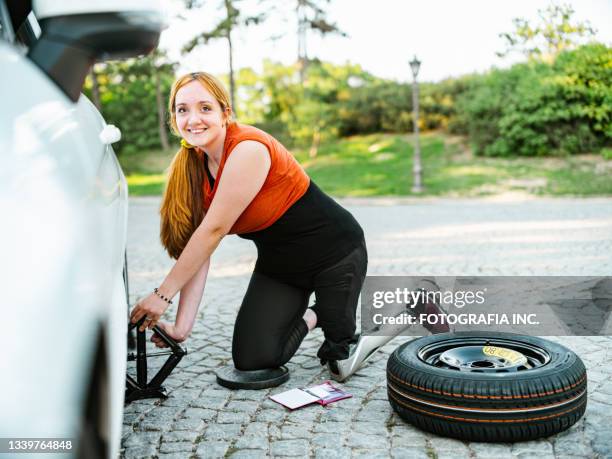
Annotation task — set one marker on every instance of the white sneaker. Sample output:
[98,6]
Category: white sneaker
[359,353]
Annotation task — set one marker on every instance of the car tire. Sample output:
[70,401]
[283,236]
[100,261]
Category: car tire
[435,384]
[93,439]
[131,334]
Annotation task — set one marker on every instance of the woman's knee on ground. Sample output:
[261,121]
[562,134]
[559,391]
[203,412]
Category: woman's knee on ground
[254,360]
[251,352]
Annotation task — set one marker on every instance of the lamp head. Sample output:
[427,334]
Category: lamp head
[415,64]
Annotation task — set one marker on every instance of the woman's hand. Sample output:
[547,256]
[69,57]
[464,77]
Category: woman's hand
[172,331]
[152,307]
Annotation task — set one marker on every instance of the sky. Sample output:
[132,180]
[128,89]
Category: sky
[450,38]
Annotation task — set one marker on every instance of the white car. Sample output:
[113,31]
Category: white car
[63,222]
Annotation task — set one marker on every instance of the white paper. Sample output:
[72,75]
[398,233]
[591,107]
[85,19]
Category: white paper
[294,398]
[318,391]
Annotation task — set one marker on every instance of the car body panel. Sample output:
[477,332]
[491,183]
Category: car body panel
[63,199]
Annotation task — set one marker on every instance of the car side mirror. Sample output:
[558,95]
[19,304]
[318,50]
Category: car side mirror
[75,35]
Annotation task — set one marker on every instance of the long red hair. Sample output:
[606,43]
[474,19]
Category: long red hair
[182,207]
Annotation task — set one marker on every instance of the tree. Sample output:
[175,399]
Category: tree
[152,68]
[311,16]
[224,28]
[555,32]
[537,108]
[133,96]
[158,66]
[95,87]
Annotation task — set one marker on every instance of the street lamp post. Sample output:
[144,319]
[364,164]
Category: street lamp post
[417,170]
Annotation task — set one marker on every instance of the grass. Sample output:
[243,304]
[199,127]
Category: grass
[381,165]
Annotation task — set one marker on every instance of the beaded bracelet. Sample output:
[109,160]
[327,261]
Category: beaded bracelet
[167,300]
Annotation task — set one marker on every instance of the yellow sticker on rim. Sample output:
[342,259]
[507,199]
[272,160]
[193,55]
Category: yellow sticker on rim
[503,353]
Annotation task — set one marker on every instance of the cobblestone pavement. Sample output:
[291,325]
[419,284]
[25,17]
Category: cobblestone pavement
[405,237]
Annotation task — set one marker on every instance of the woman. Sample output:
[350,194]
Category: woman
[230,178]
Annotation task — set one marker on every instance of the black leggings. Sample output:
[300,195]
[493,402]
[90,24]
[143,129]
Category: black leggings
[269,328]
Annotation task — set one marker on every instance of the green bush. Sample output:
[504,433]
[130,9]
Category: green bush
[536,109]
[530,109]
[128,99]
[380,107]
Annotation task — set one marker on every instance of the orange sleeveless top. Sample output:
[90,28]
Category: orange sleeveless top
[285,184]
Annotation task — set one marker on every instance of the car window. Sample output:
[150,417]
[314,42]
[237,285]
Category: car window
[18,23]
[29,31]
[6,30]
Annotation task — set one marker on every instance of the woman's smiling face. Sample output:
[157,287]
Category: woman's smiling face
[200,119]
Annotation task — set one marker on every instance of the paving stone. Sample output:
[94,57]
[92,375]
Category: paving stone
[362,441]
[408,441]
[290,431]
[574,444]
[231,417]
[180,436]
[153,424]
[254,395]
[335,453]
[370,428]
[248,407]
[377,405]
[249,454]
[370,416]
[163,413]
[289,448]
[223,432]
[142,439]
[143,405]
[327,440]
[602,442]
[211,449]
[268,404]
[206,402]
[452,454]
[176,447]
[438,237]
[491,450]
[142,451]
[131,418]
[179,455]
[252,442]
[448,444]
[274,432]
[274,415]
[189,424]
[199,413]
[304,414]
[532,447]
[599,397]
[370,454]
[215,392]
[331,427]
[336,415]
[256,428]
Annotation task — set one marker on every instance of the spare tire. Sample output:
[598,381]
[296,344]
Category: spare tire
[487,386]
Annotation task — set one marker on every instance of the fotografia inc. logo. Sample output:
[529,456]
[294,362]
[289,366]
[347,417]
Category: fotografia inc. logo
[413,297]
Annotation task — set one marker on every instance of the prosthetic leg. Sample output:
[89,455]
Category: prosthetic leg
[366,346]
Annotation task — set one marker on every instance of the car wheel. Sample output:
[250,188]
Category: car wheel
[131,336]
[93,441]
[480,386]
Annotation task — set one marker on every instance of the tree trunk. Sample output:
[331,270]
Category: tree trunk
[316,140]
[231,60]
[231,75]
[163,135]
[95,88]
[302,53]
